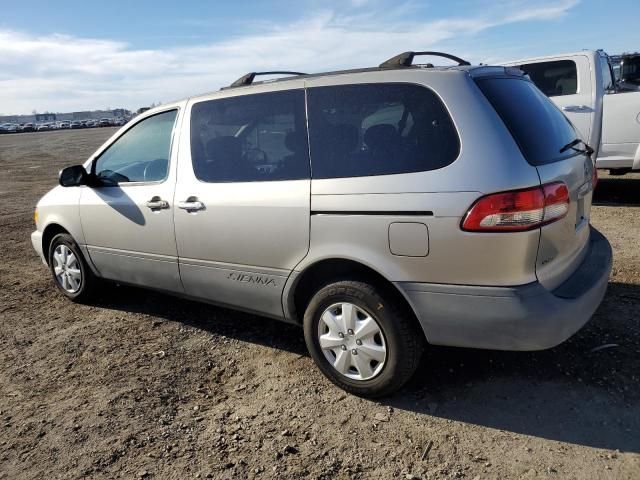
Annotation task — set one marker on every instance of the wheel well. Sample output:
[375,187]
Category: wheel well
[327,271]
[48,234]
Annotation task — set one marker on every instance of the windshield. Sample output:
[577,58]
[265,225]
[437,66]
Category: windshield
[540,129]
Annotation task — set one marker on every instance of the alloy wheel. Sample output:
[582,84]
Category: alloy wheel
[67,269]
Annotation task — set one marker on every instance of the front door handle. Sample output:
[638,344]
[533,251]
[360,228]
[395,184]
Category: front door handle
[156,203]
[576,108]
[191,204]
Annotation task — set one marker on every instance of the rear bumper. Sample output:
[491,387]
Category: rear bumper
[527,317]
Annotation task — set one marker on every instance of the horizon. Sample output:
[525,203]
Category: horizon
[79,57]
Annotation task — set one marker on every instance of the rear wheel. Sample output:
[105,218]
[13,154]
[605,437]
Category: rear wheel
[70,271]
[361,339]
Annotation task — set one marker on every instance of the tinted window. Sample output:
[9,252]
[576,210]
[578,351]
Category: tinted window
[260,137]
[141,154]
[378,129]
[554,78]
[631,70]
[538,126]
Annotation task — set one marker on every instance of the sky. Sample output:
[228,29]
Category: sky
[82,55]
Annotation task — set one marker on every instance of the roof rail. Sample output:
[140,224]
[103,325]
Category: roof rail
[405,59]
[249,77]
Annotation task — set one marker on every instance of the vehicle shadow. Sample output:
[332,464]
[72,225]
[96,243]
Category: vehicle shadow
[617,191]
[235,324]
[585,391]
[116,198]
[571,393]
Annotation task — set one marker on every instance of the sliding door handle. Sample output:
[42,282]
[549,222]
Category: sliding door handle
[191,204]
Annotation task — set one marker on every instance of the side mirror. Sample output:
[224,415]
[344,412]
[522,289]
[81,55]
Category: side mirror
[73,176]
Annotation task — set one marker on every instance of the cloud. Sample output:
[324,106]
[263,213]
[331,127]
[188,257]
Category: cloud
[65,73]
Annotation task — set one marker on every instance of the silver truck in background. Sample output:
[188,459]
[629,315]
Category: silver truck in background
[583,85]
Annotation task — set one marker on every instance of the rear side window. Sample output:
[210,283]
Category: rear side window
[378,129]
[538,126]
[251,138]
[554,78]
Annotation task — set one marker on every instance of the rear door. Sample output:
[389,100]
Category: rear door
[242,222]
[543,133]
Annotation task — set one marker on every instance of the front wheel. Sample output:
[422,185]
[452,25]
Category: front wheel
[70,271]
[361,339]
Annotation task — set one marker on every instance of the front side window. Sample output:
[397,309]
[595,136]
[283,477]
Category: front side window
[250,138]
[556,78]
[141,154]
[631,70]
[378,129]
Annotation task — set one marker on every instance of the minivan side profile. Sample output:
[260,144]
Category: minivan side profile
[381,209]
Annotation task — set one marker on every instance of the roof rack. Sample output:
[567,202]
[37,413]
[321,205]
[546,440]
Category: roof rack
[405,59]
[249,77]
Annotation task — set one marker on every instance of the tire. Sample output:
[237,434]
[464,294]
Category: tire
[398,336]
[77,288]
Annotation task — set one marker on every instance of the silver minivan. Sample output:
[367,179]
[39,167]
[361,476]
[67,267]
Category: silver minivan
[382,209]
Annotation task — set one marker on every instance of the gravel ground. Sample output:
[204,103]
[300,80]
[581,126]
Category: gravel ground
[142,385]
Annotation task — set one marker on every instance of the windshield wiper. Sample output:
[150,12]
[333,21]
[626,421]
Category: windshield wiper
[572,144]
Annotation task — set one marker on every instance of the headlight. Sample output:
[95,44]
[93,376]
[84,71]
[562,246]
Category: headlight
[35,217]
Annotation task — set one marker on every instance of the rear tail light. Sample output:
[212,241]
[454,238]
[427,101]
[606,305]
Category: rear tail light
[594,180]
[518,210]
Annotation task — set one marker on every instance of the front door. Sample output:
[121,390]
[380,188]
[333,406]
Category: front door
[128,218]
[242,216]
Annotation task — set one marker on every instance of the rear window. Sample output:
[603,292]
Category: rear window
[537,125]
[378,129]
[555,78]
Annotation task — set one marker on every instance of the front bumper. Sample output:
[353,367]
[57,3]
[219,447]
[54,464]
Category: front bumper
[527,317]
[36,241]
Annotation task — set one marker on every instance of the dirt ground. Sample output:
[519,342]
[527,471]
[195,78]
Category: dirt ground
[142,385]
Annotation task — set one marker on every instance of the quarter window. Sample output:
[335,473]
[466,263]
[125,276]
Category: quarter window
[141,154]
[378,129]
[250,138]
[555,78]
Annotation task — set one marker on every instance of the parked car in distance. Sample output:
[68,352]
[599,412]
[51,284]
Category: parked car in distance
[28,127]
[43,127]
[75,124]
[582,85]
[345,203]
[63,125]
[8,128]
[105,122]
